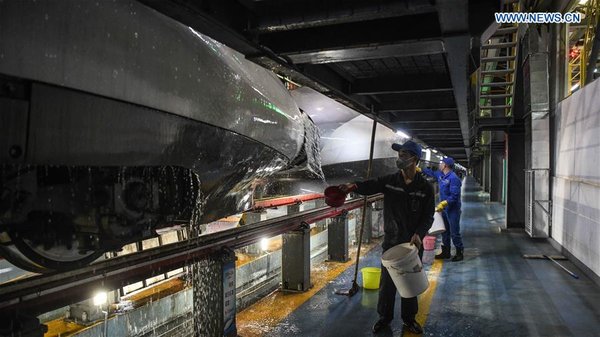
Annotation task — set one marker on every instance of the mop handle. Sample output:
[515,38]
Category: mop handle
[563,267]
[364,209]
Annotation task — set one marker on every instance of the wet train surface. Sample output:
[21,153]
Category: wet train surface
[118,121]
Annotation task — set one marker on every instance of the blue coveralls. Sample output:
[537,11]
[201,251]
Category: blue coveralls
[450,186]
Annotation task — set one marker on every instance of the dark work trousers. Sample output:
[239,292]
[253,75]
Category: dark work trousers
[387,298]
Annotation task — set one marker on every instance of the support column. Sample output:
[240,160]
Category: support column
[321,225]
[293,209]
[368,230]
[496,168]
[483,168]
[537,131]
[487,173]
[377,219]
[213,281]
[250,218]
[337,238]
[295,260]
[306,205]
[515,190]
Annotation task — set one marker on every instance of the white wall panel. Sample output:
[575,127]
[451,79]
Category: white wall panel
[576,185]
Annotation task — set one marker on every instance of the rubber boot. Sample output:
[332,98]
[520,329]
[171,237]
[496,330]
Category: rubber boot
[445,254]
[459,255]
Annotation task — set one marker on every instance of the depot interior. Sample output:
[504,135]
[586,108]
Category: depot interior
[164,162]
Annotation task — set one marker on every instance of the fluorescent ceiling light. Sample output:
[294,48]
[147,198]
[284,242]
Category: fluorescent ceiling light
[575,87]
[402,134]
[427,154]
[434,151]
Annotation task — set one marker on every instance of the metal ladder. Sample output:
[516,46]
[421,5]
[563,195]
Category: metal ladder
[495,83]
[497,73]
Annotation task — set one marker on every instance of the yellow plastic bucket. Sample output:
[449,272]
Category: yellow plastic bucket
[371,277]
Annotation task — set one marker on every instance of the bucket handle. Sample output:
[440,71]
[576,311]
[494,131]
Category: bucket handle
[415,270]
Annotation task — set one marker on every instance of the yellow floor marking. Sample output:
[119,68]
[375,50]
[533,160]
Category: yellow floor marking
[60,327]
[261,317]
[426,298]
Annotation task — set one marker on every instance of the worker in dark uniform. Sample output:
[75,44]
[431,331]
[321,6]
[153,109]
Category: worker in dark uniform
[408,214]
[449,204]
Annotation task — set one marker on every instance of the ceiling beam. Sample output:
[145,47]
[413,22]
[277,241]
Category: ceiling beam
[438,132]
[449,145]
[426,124]
[442,129]
[292,15]
[356,34]
[449,142]
[444,140]
[420,125]
[387,109]
[346,54]
[418,102]
[453,149]
[405,84]
[459,48]
[424,115]
[448,138]
[453,18]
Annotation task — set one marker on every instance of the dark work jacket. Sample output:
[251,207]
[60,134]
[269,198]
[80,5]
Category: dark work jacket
[407,209]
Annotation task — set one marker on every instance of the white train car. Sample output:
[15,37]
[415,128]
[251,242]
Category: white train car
[117,120]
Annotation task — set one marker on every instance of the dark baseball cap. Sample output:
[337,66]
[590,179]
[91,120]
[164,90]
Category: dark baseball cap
[409,146]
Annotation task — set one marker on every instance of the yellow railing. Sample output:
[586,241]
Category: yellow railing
[574,70]
[579,53]
[592,16]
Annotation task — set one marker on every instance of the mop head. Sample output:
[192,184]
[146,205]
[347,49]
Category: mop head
[348,292]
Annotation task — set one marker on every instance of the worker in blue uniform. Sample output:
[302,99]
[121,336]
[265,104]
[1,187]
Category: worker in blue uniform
[449,204]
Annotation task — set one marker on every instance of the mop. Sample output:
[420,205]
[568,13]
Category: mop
[354,288]
[553,258]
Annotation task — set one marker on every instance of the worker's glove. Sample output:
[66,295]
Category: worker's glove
[440,207]
[347,188]
[419,169]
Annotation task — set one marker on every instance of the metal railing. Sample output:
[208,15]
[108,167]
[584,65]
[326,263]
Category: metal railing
[533,226]
[43,293]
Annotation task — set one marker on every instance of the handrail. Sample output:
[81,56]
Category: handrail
[40,294]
